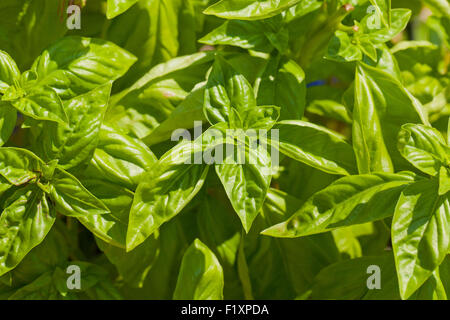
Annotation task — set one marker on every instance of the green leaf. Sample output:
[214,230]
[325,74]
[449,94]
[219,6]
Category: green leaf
[246,180]
[261,117]
[219,228]
[120,159]
[141,108]
[283,84]
[4,185]
[24,223]
[277,266]
[40,289]
[8,120]
[368,48]
[155,32]
[73,143]
[249,9]
[330,109]
[27,27]
[420,234]
[184,116]
[383,9]
[316,146]
[228,95]
[350,200]
[164,191]
[9,72]
[96,282]
[400,19]
[133,266]
[112,227]
[342,48]
[385,61]
[52,251]
[328,285]
[162,277]
[41,103]
[382,105]
[260,36]
[52,285]
[75,65]
[72,199]
[448,132]
[201,275]
[19,166]
[424,147]
[116,7]
[444,180]
[436,287]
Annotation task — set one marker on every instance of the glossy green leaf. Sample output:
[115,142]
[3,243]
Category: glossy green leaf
[420,234]
[184,116]
[436,287]
[73,144]
[97,132]
[163,192]
[116,7]
[330,109]
[72,199]
[383,9]
[378,34]
[200,276]
[24,223]
[76,65]
[120,159]
[8,120]
[350,200]
[41,103]
[154,31]
[382,105]
[246,179]
[342,48]
[19,166]
[228,95]
[249,9]
[262,36]
[112,227]
[141,108]
[9,72]
[444,180]
[368,48]
[261,117]
[316,146]
[424,147]
[54,250]
[283,84]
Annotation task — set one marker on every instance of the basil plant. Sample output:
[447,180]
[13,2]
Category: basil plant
[225,149]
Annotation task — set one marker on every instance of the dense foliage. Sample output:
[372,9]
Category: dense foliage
[357,90]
